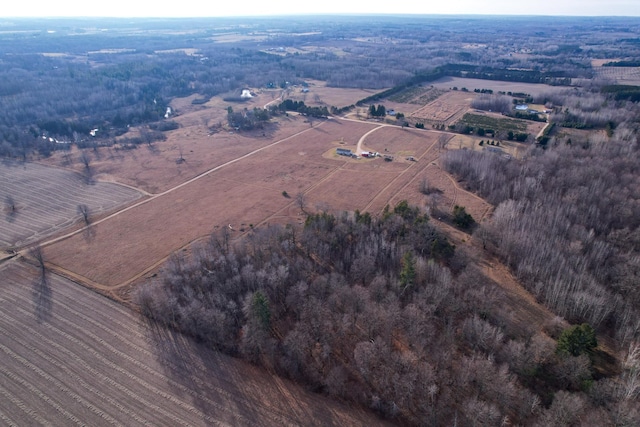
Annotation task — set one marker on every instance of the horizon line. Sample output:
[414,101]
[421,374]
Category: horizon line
[323,14]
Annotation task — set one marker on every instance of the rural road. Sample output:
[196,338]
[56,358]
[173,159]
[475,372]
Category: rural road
[359,149]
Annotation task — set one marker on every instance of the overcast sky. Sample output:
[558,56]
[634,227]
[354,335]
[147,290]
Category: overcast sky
[193,8]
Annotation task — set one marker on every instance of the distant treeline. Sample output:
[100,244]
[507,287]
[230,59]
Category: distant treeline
[558,78]
[623,92]
[475,72]
[622,64]
[300,107]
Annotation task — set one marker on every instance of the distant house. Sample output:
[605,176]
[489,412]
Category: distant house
[344,152]
[522,107]
[391,112]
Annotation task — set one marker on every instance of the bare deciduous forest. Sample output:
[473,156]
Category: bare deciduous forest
[396,311]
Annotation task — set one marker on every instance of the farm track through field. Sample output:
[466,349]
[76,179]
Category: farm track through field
[363,137]
[113,290]
[308,190]
[458,188]
[406,170]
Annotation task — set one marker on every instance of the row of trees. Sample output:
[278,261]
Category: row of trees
[300,107]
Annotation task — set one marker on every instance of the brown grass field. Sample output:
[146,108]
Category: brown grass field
[321,94]
[496,85]
[154,169]
[69,356]
[248,191]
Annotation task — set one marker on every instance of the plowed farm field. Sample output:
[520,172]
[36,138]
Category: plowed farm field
[69,356]
[446,109]
[621,75]
[46,200]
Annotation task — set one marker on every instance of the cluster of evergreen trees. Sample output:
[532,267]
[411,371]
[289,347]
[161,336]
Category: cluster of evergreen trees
[300,107]
[379,111]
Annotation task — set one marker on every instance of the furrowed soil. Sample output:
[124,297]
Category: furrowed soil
[70,356]
[46,200]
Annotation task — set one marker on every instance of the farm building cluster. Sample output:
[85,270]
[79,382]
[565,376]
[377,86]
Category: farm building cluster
[348,153]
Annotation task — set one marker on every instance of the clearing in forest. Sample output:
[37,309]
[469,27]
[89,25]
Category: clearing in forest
[251,190]
[533,89]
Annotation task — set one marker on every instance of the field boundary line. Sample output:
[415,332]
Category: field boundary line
[386,187]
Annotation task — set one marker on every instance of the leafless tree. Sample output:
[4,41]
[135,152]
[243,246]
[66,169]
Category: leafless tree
[181,158]
[66,156]
[482,335]
[426,188]
[301,201]
[565,410]
[85,159]
[442,141]
[84,211]
[489,102]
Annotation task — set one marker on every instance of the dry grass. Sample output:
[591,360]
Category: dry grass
[496,85]
[130,245]
[320,94]
[241,180]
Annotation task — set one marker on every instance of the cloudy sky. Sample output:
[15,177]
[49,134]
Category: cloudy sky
[192,8]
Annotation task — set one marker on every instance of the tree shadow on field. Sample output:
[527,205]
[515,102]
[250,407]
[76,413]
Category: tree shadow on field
[209,377]
[10,215]
[153,149]
[89,233]
[268,131]
[228,390]
[41,296]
